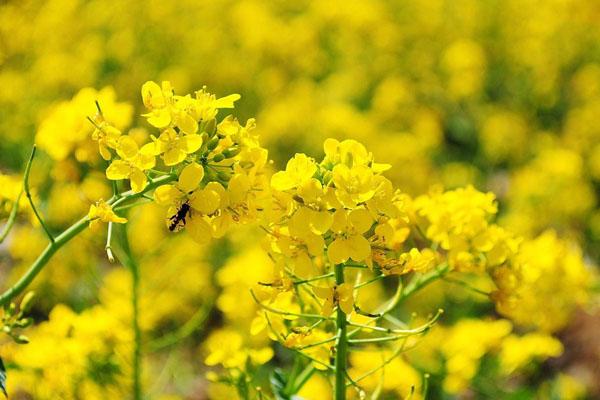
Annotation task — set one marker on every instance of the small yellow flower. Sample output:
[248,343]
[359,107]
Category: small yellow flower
[341,296]
[175,147]
[107,137]
[349,241]
[298,170]
[133,163]
[102,212]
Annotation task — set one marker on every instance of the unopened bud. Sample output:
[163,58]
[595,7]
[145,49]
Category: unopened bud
[213,143]
[211,126]
[224,176]
[218,157]
[231,152]
[27,302]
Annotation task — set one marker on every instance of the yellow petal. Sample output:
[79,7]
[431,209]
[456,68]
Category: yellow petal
[118,169]
[227,101]
[145,161]
[282,181]
[361,220]
[186,123]
[238,187]
[320,221]
[190,177]
[174,156]
[199,230]
[166,195]
[338,251]
[152,95]
[127,147]
[138,180]
[206,201]
[359,247]
[191,143]
[303,266]
[346,297]
[104,152]
[160,118]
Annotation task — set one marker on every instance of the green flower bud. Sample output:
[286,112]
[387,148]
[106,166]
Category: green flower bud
[22,339]
[27,302]
[224,176]
[232,152]
[211,126]
[213,143]
[218,157]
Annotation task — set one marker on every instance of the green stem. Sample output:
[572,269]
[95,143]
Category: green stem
[28,194]
[43,259]
[303,377]
[421,281]
[340,355]
[108,246]
[129,261]
[69,234]
[11,218]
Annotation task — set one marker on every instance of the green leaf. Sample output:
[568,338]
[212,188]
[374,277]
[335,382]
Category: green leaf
[278,383]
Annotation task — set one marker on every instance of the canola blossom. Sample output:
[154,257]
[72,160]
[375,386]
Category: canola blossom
[400,203]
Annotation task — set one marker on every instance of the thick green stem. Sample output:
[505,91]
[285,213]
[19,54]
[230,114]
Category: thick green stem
[129,261]
[43,259]
[69,234]
[342,342]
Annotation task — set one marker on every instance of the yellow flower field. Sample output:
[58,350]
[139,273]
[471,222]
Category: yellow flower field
[300,200]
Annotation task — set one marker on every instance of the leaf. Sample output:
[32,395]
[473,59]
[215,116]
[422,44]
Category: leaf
[278,382]
[3,378]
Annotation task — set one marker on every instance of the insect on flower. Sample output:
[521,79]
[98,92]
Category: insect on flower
[178,219]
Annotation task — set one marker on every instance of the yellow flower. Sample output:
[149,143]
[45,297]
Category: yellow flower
[297,171]
[519,351]
[158,100]
[174,147]
[413,260]
[353,185]
[104,213]
[341,296]
[204,201]
[349,242]
[133,163]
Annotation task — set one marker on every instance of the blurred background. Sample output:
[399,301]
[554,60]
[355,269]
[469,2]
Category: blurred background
[501,94]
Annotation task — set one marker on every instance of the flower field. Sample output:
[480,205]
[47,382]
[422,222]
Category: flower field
[300,200]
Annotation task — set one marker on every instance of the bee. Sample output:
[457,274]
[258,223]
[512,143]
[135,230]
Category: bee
[178,219]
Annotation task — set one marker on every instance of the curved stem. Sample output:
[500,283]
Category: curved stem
[342,342]
[28,194]
[69,234]
[11,218]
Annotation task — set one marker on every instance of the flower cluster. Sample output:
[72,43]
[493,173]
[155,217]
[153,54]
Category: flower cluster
[219,165]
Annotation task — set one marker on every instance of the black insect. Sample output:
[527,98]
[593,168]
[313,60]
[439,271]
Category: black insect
[179,218]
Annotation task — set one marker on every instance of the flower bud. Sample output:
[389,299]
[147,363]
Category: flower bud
[213,143]
[211,126]
[224,176]
[27,302]
[232,152]
[218,157]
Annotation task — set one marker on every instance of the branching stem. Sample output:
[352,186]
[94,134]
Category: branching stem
[69,234]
